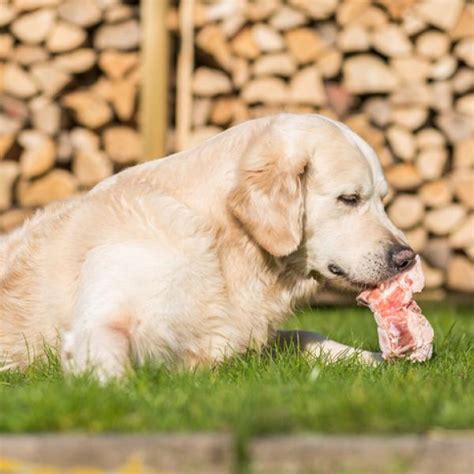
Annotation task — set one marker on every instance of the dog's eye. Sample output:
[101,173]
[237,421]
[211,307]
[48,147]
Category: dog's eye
[349,199]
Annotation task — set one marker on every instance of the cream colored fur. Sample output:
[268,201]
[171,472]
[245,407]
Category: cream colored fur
[190,259]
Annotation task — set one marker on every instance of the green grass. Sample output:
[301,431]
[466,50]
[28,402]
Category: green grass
[258,394]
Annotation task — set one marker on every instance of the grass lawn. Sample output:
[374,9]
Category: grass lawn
[255,394]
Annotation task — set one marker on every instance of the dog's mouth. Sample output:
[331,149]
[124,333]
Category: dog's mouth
[343,279]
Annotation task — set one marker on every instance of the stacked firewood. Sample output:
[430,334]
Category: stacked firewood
[68,98]
[399,72]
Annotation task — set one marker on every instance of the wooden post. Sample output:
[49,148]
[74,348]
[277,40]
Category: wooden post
[154,90]
[184,97]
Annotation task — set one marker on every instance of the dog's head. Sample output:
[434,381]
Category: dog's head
[310,185]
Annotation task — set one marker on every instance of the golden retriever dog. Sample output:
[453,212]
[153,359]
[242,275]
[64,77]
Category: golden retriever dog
[192,258]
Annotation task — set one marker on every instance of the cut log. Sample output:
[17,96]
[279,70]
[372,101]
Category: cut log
[437,14]
[287,18]
[240,71]
[403,176]
[413,94]
[434,277]
[373,136]
[201,134]
[123,144]
[436,193]
[463,186]
[65,37]
[9,171]
[445,220]
[257,11]
[465,105]
[437,252]
[278,64]
[410,117]
[55,186]
[24,5]
[406,211]
[77,61]
[372,18]
[91,166]
[6,141]
[117,64]
[84,140]
[402,142]
[210,82]
[244,45]
[464,26]
[46,115]
[267,90]
[432,44]
[417,238]
[366,73]
[441,96]
[431,162]
[463,80]
[83,13]
[202,111]
[464,50]
[397,8]
[463,237]
[211,39]
[391,41]
[50,79]
[461,274]
[443,68]
[13,219]
[412,24]
[338,99]
[118,12]
[27,55]
[122,36]
[306,87]
[330,63]
[319,10]
[411,68]
[89,108]
[17,82]
[123,98]
[464,154]
[455,126]
[6,46]
[228,110]
[39,153]
[63,148]
[379,111]
[349,12]
[32,28]
[7,14]
[232,25]
[430,137]
[267,38]
[304,44]
[14,108]
[353,38]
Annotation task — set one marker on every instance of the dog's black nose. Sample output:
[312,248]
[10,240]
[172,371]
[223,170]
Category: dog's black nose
[401,257]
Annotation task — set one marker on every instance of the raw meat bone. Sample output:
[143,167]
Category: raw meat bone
[403,331]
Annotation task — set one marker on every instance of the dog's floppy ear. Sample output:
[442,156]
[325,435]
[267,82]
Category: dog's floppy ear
[268,198]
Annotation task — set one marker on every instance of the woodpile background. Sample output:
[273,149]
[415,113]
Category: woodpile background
[399,72]
[69,79]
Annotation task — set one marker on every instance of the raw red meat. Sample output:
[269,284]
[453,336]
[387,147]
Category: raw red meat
[403,331]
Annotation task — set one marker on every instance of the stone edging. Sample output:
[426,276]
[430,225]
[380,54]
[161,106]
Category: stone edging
[439,453]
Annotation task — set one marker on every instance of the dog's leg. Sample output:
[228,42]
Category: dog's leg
[320,346]
[102,350]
